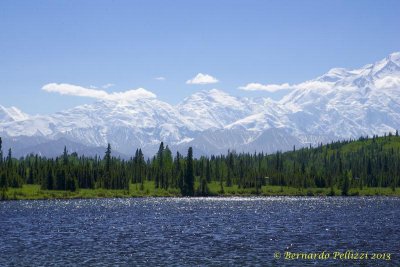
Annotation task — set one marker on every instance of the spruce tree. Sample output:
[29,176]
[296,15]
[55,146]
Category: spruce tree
[3,175]
[107,168]
[346,184]
[49,179]
[11,175]
[208,171]
[142,166]
[65,156]
[230,170]
[178,169]
[1,152]
[203,188]
[159,166]
[167,168]
[189,174]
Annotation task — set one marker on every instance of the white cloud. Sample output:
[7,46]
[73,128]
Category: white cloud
[285,86]
[75,90]
[388,82]
[265,87]
[160,78]
[201,78]
[69,89]
[108,85]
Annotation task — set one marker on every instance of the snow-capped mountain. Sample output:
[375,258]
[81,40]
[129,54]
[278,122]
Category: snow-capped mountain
[215,109]
[339,104]
[11,114]
[125,124]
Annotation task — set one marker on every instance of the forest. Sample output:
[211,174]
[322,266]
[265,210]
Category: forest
[342,166]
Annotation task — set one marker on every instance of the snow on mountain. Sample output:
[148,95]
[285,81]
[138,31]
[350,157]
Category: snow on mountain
[11,114]
[339,104]
[362,101]
[336,105]
[140,122]
[213,109]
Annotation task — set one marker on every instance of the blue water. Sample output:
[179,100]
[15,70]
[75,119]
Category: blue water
[198,231]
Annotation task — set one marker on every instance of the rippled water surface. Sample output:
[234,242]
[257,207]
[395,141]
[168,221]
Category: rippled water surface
[198,231]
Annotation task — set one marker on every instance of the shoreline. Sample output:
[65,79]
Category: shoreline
[34,192]
[196,197]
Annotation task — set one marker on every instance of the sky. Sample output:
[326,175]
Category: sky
[175,48]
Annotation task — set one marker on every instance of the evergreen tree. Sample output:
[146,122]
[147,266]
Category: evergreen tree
[159,166]
[167,168]
[65,156]
[71,183]
[107,169]
[230,169]
[141,168]
[189,175]
[3,180]
[179,181]
[12,177]
[49,184]
[3,175]
[203,187]
[208,171]
[346,184]
[1,152]
[368,162]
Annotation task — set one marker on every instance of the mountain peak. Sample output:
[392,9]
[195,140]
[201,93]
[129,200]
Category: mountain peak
[207,93]
[387,66]
[395,57]
[131,95]
[334,75]
[219,97]
[217,92]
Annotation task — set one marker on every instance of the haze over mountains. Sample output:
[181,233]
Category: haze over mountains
[340,104]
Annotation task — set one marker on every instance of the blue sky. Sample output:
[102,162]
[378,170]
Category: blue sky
[130,43]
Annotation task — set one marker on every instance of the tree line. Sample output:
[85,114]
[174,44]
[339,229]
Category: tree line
[366,162]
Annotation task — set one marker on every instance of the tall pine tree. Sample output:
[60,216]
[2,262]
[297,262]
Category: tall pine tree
[189,175]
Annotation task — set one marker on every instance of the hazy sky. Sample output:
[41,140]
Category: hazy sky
[162,45]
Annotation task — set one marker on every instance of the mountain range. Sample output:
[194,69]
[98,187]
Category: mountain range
[340,104]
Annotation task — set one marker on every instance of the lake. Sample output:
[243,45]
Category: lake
[201,231]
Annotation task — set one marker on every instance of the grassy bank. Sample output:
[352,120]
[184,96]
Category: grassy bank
[31,192]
